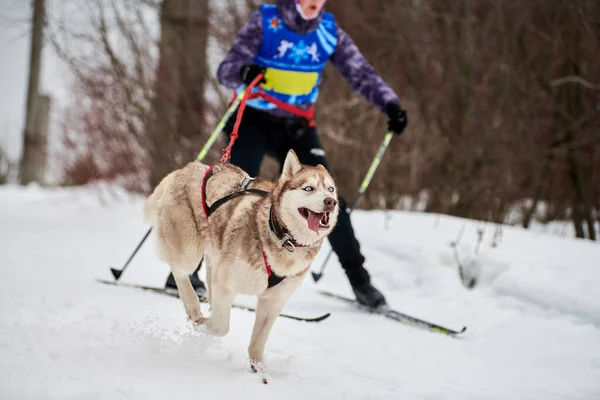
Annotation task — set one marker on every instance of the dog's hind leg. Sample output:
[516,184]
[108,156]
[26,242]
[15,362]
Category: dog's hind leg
[209,272]
[183,261]
[221,301]
[181,245]
[189,297]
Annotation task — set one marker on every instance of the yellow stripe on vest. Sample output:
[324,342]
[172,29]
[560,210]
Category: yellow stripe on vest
[293,83]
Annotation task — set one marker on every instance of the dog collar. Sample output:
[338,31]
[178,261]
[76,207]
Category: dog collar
[285,239]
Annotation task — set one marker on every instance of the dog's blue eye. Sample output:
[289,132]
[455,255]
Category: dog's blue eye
[308,189]
[331,189]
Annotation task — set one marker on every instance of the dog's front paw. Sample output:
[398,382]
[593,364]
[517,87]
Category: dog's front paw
[259,367]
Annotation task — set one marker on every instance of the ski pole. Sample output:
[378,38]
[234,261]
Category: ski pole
[211,140]
[363,188]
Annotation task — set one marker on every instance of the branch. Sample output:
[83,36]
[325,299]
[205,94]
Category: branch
[575,79]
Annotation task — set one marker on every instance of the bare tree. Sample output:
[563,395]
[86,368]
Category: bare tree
[179,106]
[496,117]
[111,49]
[34,141]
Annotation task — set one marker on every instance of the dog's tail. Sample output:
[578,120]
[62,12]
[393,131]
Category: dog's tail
[152,202]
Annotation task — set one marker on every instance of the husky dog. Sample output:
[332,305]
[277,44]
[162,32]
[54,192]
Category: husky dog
[257,237]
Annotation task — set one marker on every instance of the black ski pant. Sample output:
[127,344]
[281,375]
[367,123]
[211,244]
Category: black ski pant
[262,134]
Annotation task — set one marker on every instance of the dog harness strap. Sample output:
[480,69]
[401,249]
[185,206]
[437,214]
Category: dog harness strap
[207,175]
[267,266]
[309,114]
[243,189]
[225,199]
[273,279]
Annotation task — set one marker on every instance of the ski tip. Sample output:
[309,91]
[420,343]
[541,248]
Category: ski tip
[314,319]
[304,319]
[316,276]
[459,332]
[116,273]
[447,331]
[321,318]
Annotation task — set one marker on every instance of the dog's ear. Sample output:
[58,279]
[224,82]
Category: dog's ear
[291,166]
[322,168]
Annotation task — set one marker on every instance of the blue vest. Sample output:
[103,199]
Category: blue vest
[294,62]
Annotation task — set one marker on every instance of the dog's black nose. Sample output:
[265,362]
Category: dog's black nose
[330,203]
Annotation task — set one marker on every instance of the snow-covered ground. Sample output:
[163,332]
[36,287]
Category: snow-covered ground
[533,321]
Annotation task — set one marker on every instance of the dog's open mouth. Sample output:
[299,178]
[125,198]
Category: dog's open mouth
[315,220]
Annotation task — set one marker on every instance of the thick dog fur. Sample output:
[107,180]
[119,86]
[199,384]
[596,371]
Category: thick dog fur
[233,238]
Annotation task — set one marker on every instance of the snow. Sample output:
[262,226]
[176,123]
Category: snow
[533,320]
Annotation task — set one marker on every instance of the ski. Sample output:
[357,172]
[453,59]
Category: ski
[173,293]
[396,316]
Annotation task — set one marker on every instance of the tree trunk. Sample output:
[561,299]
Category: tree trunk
[541,185]
[32,141]
[576,194]
[42,124]
[573,110]
[179,104]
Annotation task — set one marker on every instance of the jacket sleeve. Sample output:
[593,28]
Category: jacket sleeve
[245,47]
[359,74]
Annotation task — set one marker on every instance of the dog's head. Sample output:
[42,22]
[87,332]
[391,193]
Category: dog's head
[307,203]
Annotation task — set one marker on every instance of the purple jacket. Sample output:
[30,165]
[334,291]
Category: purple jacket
[346,57]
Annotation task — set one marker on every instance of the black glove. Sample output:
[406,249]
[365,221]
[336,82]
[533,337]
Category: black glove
[251,71]
[398,119]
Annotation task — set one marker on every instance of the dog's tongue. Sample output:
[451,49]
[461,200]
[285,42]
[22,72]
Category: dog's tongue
[314,221]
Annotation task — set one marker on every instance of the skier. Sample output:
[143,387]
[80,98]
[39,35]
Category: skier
[290,43]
